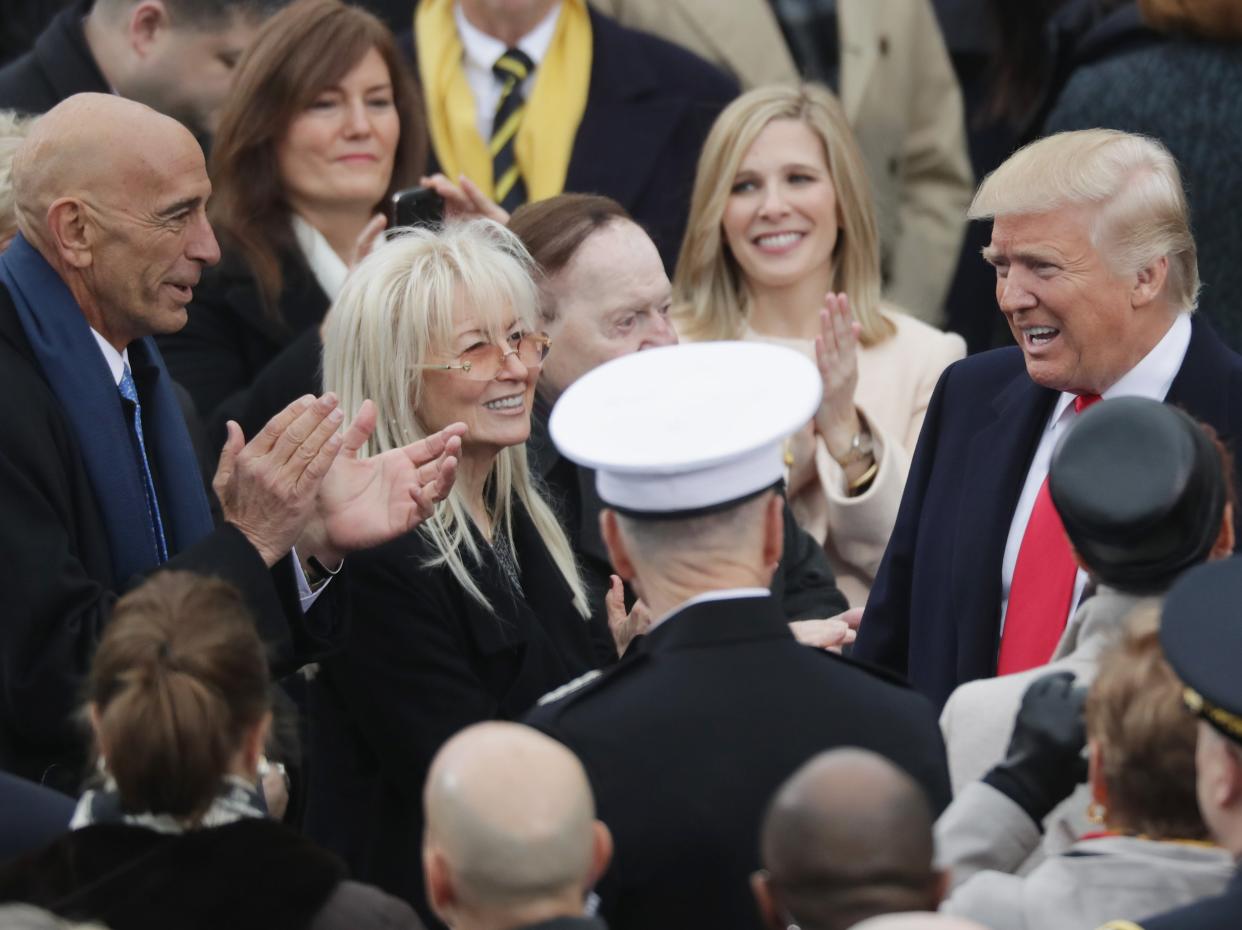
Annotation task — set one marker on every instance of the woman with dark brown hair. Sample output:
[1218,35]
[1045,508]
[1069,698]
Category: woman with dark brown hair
[323,125]
[178,836]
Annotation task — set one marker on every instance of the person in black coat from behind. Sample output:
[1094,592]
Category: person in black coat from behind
[687,738]
[482,613]
[323,124]
[604,294]
[178,835]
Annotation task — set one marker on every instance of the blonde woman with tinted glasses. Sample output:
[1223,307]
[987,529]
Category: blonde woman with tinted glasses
[483,611]
[781,246]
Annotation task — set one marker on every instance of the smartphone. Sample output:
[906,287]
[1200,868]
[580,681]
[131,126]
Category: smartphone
[416,206]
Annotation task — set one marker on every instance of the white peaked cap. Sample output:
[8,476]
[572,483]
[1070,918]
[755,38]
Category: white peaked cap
[686,428]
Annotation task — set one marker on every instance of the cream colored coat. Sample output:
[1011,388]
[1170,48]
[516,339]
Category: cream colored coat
[899,94]
[895,382]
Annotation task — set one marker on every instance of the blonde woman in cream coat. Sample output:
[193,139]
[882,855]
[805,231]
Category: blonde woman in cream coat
[781,246]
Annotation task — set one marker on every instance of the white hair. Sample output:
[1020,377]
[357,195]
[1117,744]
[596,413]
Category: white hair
[1133,181]
[13,132]
[394,313]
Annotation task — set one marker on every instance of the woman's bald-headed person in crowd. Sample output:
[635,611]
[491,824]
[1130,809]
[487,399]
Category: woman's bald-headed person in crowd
[179,701]
[323,125]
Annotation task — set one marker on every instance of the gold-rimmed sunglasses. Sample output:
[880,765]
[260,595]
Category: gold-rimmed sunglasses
[484,361]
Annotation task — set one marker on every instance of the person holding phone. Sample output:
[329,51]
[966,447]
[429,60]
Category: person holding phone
[782,246]
[323,125]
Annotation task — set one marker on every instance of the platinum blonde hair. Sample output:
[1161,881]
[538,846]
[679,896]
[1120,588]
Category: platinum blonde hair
[13,131]
[709,295]
[394,313]
[1131,180]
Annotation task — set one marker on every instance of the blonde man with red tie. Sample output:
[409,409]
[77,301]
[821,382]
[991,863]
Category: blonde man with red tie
[1096,274]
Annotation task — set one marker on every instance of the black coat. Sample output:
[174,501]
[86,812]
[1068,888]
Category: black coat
[56,575]
[59,66]
[1220,912]
[240,362]
[649,108]
[33,816]
[686,740]
[803,583]
[247,875]
[934,611]
[424,661]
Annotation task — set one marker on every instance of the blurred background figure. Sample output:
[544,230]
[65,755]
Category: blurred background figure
[13,130]
[532,98]
[1144,493]
[176,56]
[484,611]
[847,837]
[28,917]
[603,294]
[511,840]
[179,703]
[918,920]
[323,124]
[886,60]
[1148,850]
[782,215]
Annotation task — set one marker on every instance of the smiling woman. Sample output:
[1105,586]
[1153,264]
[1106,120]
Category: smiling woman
[481,611]
[322,125]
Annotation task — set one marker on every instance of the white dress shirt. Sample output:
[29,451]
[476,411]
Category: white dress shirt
[724,594]
[117,362]
[1152,377]
[482,51]
[328,268]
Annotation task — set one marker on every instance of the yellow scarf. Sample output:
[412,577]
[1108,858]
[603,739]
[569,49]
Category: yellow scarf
[554,107]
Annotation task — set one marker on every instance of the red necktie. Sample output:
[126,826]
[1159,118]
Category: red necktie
[1043,584]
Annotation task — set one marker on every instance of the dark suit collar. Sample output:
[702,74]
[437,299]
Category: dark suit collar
[717,622]
[66,59]
[571,483]
[302,302]
[568,923]
[1203,382]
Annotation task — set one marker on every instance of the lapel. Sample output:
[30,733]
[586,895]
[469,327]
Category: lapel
[550,464]
[857,20]
[718,623]
[302,301]
[626,113]
[996,462]
[1202,387]
[65,58]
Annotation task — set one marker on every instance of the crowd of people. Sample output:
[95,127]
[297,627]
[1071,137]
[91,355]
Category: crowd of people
[535,465]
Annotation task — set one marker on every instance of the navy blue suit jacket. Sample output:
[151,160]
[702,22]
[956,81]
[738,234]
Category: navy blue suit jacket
[934,611]
[649,108]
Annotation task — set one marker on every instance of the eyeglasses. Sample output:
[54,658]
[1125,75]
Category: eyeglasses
[484,361]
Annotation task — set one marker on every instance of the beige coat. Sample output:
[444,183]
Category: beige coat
[901,97]
[895,382]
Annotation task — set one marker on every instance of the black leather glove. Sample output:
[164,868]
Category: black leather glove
[1044,762]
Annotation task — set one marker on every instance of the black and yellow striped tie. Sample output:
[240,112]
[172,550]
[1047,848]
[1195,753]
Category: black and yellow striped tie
[508,188]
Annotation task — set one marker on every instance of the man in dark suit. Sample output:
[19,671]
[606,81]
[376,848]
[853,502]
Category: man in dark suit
[98,481]
[176,56]
[588,106]
[687,738]
[604,294]
[1097,277]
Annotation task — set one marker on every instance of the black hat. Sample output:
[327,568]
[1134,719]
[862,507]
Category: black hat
[1141,491]
[1201,634]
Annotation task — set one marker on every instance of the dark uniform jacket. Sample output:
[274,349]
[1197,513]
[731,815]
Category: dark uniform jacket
[426,661]
[803,582]
[1223,912]
[56,574]
[934,611]
[688,737]
[59,66]
[237,360]
[649,108]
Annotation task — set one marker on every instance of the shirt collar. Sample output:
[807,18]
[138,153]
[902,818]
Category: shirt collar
[724,594]
[483,51]
[1153,376]
[117,361]
[327,267]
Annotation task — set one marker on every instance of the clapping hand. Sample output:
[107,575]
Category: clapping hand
[836,356]
[625,625]
[831,634]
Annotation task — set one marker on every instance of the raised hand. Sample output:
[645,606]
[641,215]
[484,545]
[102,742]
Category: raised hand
[366,502]
[268,487]
[836,355]
[464,200]
[371,235]
[831,634]
[624,625]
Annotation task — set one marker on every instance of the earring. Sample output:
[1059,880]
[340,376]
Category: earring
[1096,812]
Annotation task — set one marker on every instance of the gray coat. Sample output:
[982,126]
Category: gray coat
[983,835]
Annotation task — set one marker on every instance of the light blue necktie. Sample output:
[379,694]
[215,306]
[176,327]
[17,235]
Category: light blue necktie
[133,410]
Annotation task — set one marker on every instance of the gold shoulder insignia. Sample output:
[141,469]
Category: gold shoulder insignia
[1120,925]
[567,689]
